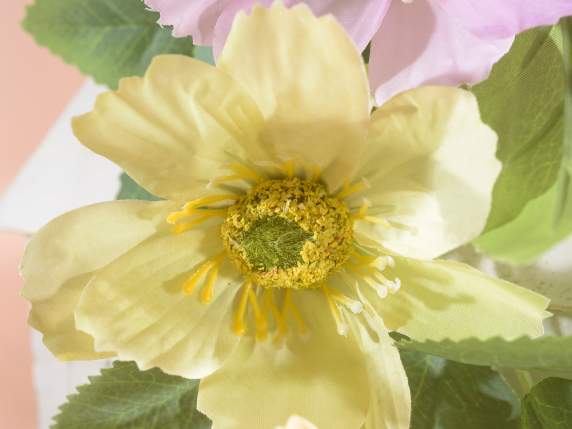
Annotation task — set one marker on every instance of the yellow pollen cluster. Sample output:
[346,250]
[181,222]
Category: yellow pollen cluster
[288,233]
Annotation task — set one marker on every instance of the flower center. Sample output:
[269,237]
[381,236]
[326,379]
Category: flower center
[288,233]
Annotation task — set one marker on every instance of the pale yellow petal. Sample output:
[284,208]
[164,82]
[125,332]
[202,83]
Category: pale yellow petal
[431,164]
[309,81]
[62,256]
[296,422]
[173,129]
[321,377]
[136,306]
[448,300]
[54,318]
[390,397]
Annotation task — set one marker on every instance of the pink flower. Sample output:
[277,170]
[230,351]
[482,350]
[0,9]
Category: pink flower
[413,42]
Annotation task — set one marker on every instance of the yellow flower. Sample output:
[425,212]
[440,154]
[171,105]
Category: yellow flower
[296,230]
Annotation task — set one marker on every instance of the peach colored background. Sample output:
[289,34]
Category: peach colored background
[34,88]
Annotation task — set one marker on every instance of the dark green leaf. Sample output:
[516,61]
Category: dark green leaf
[106,39]
[130,190]
[123,397]
[548,405]
[451,395]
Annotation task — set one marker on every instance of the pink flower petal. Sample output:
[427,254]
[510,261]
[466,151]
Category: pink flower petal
[419,44]
[492,19]
[360,18]
[196,18]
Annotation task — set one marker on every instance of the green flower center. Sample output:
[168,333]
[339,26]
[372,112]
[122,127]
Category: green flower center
[288,233]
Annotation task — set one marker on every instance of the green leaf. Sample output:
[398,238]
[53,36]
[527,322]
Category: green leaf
[204,53]
[123,397]
[532,233]
[130,190]
[523,102]
[106,39]
[564,197]
[532,208]
[551,355]
[451,395]
[548,405]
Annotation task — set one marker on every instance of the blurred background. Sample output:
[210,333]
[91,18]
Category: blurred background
[35,88]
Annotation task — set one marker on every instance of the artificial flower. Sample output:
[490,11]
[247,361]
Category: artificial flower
[296,231]
[413,42]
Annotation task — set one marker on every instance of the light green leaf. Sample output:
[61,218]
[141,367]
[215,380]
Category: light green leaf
[106,39]
[548,405]
[451,395]
[532,233]
[564,198]
[123,397]
[523,102]
[130,190]
[552,355]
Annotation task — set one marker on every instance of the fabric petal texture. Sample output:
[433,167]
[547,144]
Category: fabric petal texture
[314,376]
[296,422]
[448,300]
[196,18]
[360,18]
[492,19]
[173,129]
[136,306]
[62,257]
[419,44]
[390,398]
[315,102]
[431,166]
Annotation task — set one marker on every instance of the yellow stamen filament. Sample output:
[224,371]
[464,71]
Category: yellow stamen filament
[259,317]
[377,220]
[242,173]
[208,290]
[246,172]
[316,173]
[289,307]
[392,285]
[353,305]
[341,326]
[362,212]
[192,281]
[239,326]
[349,190]
[363,260]
[205,215]
[189,208]
[380,289]
[288,168]
[269,303]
